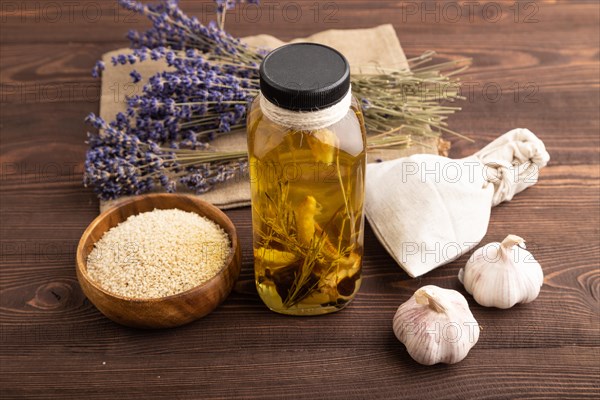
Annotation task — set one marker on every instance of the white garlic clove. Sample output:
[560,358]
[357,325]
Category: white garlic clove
[502,274]
[436,326]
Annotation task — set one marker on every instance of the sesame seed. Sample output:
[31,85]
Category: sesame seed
[158,253]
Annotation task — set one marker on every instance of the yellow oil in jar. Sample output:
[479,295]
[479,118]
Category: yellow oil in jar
[307,202]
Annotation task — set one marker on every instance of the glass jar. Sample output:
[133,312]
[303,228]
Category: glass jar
[307,149]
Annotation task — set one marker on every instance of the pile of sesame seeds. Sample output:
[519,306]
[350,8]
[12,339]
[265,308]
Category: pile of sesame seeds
[158,253]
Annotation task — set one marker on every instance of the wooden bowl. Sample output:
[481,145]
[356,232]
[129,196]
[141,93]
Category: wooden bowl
[167,311]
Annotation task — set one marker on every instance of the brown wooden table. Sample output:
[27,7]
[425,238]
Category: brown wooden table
[543,56]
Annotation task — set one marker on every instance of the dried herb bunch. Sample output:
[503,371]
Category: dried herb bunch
[205,91]
[401,105]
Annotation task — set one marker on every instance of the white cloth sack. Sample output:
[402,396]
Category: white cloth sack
[428,210]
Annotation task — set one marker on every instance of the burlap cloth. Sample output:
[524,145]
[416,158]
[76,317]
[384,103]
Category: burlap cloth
[365,49]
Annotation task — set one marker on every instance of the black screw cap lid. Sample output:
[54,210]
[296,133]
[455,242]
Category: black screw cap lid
[304,76]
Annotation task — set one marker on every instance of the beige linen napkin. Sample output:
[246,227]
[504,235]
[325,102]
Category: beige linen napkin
[365,49]
[427,210]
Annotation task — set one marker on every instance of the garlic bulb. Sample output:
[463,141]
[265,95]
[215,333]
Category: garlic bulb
[436,326]
[502,274]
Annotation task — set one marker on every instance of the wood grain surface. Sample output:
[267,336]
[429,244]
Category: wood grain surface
[542,56]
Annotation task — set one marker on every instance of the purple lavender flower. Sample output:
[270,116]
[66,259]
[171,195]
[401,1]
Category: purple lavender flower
[162,138]
[172,28]
[118,163]
[98,68]
[365,103]
[209,83]
[135,76]
[194,101]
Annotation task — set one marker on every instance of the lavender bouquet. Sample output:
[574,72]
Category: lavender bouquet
[164,137]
